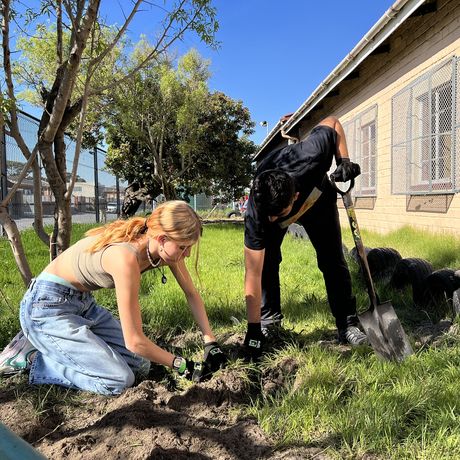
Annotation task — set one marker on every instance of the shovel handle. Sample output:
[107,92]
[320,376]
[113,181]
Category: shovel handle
[337,189]
[350,209]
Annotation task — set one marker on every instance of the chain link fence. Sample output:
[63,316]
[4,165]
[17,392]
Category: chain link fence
[97,194]
[425,133]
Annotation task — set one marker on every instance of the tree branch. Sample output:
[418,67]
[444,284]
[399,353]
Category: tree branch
[13,122]
[59,32]
[96,61]
[157,51]
[70,71]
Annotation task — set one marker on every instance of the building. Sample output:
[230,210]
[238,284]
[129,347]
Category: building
[22,203]
[397,94]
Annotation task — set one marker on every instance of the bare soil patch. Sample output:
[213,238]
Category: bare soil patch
[158,419]
[152,420]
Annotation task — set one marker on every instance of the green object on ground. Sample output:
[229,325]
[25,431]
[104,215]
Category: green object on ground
[12,447]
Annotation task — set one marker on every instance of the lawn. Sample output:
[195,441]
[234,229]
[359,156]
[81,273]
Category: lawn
[309,391]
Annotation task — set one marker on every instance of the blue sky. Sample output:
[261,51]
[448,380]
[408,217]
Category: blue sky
[273,54]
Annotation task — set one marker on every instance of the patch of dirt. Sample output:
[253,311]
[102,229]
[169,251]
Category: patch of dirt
[280,377]
[429,334]
[153,420]
[157,419]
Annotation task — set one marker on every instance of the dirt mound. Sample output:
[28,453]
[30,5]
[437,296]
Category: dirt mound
[153,420]
[147,421]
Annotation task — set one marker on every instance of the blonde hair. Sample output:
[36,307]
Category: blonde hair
[175,218]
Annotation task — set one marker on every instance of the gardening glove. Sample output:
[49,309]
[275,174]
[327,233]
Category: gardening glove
[346,170]
[214,357]
[190,370]
[253,341]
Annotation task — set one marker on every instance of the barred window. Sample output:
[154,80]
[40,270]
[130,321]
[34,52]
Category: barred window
[423,134]
[361,137]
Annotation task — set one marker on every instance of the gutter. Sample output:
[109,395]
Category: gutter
[386,25]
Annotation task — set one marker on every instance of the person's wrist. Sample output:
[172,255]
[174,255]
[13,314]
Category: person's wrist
[342,160]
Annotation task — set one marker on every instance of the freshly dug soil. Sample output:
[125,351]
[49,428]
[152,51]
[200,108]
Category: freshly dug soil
[152,420]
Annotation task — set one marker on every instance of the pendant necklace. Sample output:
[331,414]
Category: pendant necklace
[156,264]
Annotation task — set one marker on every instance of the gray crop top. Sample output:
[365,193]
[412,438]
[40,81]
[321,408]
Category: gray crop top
[87,266]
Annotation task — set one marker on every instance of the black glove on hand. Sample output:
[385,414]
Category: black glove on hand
[346,170]
[253,341]
[214,357]
[190,370]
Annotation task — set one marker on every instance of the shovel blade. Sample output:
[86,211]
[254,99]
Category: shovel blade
[385,332]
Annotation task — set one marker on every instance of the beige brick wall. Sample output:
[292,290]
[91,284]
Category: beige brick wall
[417,46]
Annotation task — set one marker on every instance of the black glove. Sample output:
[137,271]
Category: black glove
[346,170]
[253,341]
[214,357]
[190,370]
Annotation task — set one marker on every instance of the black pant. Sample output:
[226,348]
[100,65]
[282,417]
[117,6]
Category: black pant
[322,225]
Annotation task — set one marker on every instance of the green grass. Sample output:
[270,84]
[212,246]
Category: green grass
[345,401]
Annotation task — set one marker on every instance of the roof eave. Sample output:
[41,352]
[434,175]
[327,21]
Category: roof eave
[386,25]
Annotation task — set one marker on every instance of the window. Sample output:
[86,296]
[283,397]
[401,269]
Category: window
[361,136]
[423,134]
[435,147]
[368,158]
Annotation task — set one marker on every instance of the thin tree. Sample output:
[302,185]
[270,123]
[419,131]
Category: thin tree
[61,104]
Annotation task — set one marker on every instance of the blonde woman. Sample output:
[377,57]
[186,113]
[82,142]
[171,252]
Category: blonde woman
[69,340]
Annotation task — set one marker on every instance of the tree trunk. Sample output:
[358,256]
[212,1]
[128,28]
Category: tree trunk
[16,245]
[134,196]
[56,174]
[38,208]
[169,191]
[64,224]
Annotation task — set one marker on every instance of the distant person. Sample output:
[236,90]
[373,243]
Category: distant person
[69,340]
[291,186]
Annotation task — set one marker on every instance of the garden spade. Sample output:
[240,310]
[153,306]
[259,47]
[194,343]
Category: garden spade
[380,322]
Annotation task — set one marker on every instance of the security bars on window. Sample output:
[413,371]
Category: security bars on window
[425,133]
[361,135]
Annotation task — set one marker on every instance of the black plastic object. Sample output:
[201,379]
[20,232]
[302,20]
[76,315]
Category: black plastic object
[382,262]
[440,297]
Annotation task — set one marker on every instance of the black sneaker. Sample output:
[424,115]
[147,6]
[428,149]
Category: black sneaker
[277,336]
[271,330]
[352,336]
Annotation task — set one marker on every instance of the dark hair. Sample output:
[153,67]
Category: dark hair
[273,191]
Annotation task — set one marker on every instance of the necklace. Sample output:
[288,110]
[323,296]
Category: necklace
[156,264]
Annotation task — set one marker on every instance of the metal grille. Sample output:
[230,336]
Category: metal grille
[85,202]
[361,136]
[425,133]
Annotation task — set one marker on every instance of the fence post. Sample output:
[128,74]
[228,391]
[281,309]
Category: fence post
[96,187]
[3,170]
[4,183]
[117,185]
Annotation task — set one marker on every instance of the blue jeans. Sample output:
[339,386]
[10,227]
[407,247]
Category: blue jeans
[80,344]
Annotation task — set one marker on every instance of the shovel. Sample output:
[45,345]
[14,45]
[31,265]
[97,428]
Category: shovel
[380,322]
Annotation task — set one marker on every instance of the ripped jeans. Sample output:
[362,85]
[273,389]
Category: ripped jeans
[79,343]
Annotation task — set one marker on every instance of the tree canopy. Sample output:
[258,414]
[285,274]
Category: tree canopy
[169,134]
[81,64]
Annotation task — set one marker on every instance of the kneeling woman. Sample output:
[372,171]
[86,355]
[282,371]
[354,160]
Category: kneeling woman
[69,340]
